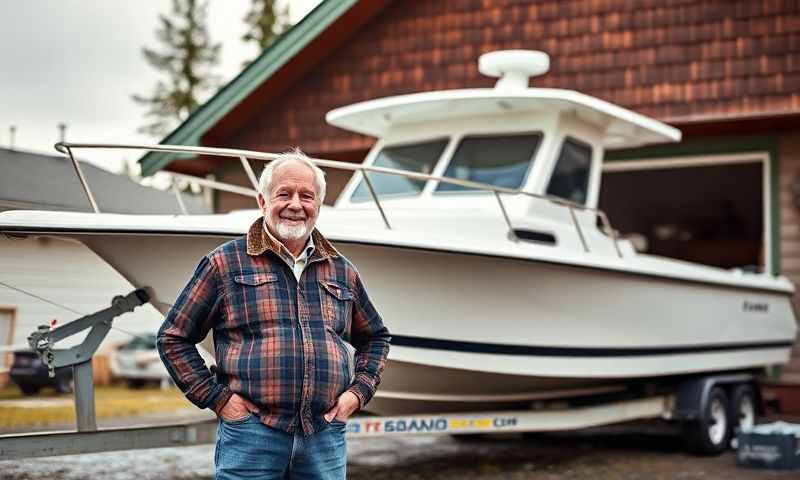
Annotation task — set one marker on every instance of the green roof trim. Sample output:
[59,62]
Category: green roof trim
[272,59]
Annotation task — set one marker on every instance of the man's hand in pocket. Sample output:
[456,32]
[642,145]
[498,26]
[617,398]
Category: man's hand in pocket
[237,408]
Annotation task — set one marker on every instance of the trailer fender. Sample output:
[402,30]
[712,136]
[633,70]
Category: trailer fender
[692,395]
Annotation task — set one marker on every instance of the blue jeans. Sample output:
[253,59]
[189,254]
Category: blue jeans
[249,449]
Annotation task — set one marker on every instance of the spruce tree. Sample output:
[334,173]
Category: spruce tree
[186,56]
[265,22]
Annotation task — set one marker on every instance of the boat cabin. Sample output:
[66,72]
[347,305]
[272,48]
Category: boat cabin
[543,141]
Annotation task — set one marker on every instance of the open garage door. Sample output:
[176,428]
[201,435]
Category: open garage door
[709,211]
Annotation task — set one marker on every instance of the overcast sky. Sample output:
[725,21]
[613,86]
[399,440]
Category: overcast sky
[79,62]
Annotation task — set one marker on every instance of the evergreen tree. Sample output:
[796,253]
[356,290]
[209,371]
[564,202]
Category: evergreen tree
[186,57]
[265,22]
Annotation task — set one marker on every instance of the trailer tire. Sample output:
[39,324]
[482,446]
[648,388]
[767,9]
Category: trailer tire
[710,434]
[28,389]
[744,401]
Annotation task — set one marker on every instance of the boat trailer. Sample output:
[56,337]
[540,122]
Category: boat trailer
[194,433]
[685,403]
[87,438]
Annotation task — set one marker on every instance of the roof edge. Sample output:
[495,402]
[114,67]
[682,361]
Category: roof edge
[272,59]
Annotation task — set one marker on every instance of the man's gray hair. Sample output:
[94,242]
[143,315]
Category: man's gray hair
[294,155]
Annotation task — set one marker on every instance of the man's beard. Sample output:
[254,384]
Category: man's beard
[292,232]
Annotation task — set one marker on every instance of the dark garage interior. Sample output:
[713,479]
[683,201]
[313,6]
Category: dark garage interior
[712,215]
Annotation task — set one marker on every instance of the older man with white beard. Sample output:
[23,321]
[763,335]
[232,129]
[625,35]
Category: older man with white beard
[285,308]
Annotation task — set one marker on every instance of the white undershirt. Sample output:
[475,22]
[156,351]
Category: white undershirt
[299,264]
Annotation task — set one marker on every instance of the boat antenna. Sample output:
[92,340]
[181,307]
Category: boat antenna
[62,132]
[12,131]
[513,67]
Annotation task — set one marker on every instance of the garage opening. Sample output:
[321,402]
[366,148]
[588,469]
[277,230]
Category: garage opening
[713,214]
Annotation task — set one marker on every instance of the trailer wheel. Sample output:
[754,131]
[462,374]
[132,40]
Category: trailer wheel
[743,403]
[29,389]
[710,434]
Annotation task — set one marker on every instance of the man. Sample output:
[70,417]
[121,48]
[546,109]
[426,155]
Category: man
[284,307]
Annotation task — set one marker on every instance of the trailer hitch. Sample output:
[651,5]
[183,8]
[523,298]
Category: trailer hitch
[79,357]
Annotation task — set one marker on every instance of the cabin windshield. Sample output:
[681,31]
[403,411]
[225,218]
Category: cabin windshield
[414,157]
[499,160]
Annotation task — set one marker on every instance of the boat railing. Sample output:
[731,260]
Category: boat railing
[246,155]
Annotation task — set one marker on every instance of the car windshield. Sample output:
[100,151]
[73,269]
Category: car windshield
[499,160]
[414,157]
[144,342]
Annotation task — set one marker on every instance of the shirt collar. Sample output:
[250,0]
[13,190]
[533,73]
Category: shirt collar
[308,251]
[259,240]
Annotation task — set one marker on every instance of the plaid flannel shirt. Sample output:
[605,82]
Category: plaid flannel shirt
[279,342]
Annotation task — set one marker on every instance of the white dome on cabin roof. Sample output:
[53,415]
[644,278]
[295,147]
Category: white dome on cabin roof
[513,67]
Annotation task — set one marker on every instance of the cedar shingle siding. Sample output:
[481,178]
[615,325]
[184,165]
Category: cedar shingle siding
[675,60]
[789,151]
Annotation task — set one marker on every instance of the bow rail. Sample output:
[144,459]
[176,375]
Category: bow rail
[245,155]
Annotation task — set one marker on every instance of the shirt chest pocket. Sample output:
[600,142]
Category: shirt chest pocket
[256,298]
[337,305]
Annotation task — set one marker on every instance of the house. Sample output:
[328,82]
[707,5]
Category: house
[44,279]
[726,72]
[36,181]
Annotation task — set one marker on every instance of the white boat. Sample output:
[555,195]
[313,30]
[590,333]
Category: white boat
[484,255]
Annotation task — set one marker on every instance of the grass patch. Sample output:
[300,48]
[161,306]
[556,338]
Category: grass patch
[12,392]
[110,402]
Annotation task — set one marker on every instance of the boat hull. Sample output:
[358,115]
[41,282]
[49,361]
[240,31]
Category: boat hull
[474,332]
[488,331]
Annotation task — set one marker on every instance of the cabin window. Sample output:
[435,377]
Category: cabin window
[417,157]
[570,178]
[502,160]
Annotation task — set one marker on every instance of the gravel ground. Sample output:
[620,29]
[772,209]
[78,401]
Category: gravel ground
[611,453]
[547,457]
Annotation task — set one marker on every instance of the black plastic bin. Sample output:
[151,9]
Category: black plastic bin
[775,451]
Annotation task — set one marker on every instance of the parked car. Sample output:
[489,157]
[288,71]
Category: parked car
[30,374]
[137,362]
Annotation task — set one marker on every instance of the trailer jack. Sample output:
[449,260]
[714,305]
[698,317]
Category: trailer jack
[88,438]
[79,357]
